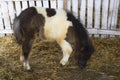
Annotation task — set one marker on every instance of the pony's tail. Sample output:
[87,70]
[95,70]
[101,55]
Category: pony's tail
[17,30]
[83,46]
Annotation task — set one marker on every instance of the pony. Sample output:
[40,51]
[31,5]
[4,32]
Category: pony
[57,25]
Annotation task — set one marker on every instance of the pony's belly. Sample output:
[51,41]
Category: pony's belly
[53,34]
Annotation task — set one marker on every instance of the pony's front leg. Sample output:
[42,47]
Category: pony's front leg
[26,47]
[67,50]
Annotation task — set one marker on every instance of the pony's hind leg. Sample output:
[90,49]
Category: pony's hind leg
[26,47]
[67,50]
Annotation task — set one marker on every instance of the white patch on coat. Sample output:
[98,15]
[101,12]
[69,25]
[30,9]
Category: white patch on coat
[56,27]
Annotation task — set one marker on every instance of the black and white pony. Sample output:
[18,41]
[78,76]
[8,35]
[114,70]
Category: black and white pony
[54,25]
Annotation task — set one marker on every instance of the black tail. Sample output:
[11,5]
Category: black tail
[17,30]
[83,45]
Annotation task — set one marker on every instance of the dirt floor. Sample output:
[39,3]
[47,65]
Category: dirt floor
[103,65]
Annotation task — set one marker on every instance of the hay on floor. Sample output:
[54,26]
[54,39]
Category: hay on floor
[44,60]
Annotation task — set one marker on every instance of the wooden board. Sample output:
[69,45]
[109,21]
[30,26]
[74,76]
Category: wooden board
[24,5]
[83,11]
[53,4]
[97,15]
[31,3]
[60,4]
[45,4]
[1,21]
[17,7]
[38,3]
[5,15]
[89,13]
[75,7]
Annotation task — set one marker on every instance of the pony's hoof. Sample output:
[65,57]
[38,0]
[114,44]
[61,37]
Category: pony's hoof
[27,66]
[82,64]
[62,62]
[82,67]
[61,65]
[30,70]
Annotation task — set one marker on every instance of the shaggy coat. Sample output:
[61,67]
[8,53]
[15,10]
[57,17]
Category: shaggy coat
[54,25]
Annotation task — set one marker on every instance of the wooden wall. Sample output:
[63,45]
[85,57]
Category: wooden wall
[100,17]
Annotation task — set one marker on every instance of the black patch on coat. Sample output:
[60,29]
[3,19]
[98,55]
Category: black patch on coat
[38,23]
[50,12]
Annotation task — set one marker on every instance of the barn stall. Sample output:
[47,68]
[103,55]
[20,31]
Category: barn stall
[100,17]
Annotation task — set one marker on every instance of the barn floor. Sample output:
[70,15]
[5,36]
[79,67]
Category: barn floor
[45,57]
